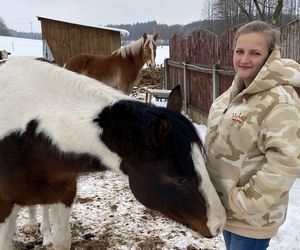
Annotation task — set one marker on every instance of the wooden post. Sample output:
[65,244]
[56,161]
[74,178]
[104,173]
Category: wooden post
[216,82]
[166,84]
[185,89]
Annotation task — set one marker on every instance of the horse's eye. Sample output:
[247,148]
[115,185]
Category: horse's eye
[179,181]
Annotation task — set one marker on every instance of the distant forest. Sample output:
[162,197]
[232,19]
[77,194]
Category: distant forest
[219,15]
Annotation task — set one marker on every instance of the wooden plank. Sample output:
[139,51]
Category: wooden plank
[68,39]
[160,94]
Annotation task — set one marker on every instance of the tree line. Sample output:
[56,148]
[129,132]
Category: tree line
[219,15]
[5,31]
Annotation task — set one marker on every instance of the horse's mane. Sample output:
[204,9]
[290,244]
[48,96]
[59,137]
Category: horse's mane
[133,48]
[183,131]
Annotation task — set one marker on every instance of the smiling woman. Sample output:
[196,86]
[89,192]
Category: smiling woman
[250,54]
[253,141]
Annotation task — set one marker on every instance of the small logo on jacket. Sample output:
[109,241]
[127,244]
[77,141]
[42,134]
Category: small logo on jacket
[238,117]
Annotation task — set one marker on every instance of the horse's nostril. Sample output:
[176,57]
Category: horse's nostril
[219,230]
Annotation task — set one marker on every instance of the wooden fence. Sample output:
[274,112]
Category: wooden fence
[202,63]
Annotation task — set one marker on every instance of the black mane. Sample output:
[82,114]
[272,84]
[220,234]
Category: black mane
[131,118]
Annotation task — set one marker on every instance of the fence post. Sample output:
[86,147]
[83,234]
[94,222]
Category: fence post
[166,84]
[185,89]
[216,82]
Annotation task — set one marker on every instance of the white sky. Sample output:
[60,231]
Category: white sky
[21,15]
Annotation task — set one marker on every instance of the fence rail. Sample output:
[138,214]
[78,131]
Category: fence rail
[190,67]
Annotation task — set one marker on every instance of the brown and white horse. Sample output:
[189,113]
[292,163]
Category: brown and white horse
[55,124]
[4,54]
[121,69]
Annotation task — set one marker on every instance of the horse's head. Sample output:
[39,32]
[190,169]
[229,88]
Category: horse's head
[164,158]
[4,54]
[149,49]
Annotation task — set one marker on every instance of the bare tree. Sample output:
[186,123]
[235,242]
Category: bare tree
[264,9]
[4,31]
[277,11]
[244,10]
[223,14]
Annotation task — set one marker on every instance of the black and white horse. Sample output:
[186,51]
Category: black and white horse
[56,124]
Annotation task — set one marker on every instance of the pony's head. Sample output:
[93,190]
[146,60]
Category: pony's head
[149,49]
[164,158]
[4,54]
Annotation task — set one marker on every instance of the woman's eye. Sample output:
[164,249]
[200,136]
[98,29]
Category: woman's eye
[255,53]
[179,181]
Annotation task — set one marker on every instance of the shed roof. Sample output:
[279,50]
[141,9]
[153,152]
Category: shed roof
[121,31]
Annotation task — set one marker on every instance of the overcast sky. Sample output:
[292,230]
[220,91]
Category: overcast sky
[21,15]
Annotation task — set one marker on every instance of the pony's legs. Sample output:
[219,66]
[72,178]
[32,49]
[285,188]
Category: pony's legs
[32,226]
[60,215]
[46,226]
[7,228]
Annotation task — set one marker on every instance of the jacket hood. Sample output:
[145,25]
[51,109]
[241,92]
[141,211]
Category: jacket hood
[276,71]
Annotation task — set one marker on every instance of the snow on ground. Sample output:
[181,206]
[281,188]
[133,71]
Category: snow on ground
[21,46]
[107,216]
[30,47]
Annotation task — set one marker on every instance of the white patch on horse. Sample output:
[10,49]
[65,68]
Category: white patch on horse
[60,215]
[46,226]
[32,226]
[151,42]
[7,228]
[81,97]
[216,215]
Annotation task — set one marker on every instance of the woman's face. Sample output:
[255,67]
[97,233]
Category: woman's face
[250,53]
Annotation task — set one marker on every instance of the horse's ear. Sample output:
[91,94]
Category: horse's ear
[155,36]
[145,36]
[175,99]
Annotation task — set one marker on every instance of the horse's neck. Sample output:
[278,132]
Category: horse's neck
[136,60]
[128,72]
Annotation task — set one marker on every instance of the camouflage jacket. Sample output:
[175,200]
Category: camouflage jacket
[253,147]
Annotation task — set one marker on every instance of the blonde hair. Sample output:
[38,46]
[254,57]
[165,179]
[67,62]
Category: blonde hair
[259,27]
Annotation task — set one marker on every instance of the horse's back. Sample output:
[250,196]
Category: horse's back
[85,61]
[100,67]
[78,62]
